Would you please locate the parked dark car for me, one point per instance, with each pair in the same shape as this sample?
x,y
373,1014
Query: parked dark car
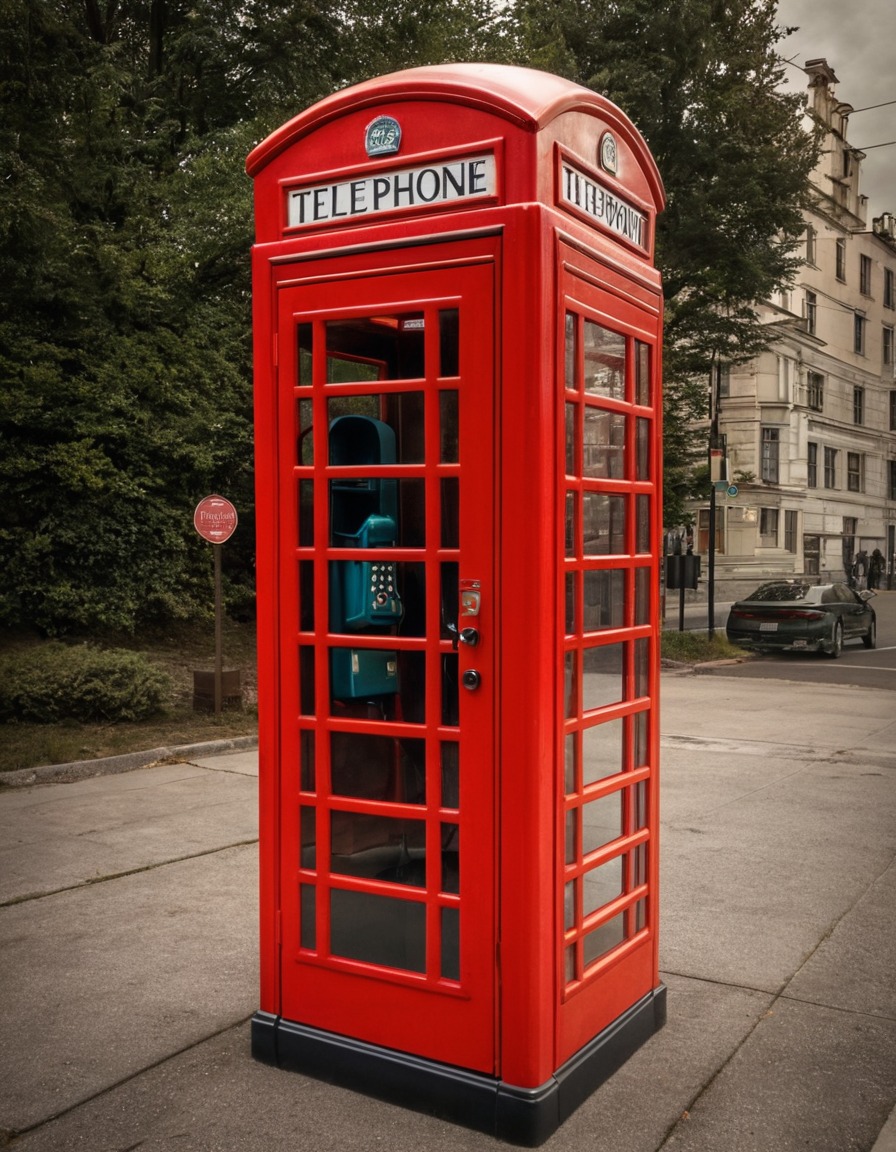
x,y
795,616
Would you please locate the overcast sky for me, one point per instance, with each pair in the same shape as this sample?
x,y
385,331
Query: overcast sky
x,y
857,38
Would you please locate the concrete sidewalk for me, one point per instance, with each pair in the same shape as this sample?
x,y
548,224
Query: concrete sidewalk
x,y
129,943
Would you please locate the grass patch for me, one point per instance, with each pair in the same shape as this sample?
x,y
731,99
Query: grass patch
x,y
177,652
698,647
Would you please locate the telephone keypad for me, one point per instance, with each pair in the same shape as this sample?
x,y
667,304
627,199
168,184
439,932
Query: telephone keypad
x,y
382,586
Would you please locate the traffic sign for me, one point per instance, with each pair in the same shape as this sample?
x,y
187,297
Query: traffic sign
x,y
732,489
215,519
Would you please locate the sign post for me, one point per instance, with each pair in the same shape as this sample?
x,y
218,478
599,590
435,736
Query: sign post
x,y
215,520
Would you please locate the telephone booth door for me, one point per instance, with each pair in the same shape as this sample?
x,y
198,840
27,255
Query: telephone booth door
x,y
387,848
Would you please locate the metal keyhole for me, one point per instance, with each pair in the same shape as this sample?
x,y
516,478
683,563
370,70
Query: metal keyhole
x,y
471,679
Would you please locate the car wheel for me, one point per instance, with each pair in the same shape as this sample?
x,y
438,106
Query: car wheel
x,y
870,638
836,641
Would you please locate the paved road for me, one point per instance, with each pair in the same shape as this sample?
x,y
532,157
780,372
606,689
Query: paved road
x,y
857,666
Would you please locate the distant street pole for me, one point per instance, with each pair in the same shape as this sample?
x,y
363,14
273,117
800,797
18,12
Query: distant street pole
x,y
715,387
215,520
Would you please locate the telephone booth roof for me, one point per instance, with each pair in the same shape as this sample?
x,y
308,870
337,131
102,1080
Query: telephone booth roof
x,y
530,103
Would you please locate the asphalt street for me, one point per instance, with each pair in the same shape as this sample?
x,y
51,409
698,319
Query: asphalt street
x,y
129,948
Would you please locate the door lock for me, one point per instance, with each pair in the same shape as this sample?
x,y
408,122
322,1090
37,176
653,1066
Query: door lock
x,y
471,679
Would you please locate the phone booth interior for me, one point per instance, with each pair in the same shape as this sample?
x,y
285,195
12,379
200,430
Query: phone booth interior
x,y
457,332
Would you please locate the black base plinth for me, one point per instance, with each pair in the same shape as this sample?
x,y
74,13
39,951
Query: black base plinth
x,y
524,1116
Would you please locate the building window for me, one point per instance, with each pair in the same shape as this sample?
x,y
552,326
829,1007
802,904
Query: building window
x,y
768,527
892,495
790,531
815,389
812,472
841,260
858,405
893,410
889,289
830,467
865,275
811,312
811,235
858,343
811,555
887,345
855,471
770,446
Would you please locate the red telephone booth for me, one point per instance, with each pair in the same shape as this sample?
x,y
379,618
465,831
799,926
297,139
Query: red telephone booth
x,y
457,331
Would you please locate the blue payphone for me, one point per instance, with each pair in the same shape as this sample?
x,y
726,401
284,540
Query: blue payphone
x,y
364,596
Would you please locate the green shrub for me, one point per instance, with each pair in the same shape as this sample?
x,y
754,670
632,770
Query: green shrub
x,y
55,681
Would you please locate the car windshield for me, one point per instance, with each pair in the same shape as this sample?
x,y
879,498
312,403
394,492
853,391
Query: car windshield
x,y
783,590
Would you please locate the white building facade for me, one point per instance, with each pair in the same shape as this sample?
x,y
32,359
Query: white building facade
x,y
809,427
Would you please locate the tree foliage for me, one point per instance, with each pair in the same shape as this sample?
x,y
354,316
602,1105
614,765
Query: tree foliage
x,y
126,226
702,81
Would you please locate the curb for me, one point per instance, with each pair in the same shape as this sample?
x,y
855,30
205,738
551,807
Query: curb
x,y
127,762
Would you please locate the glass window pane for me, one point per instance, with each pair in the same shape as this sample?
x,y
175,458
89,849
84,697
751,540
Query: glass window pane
x,y
304,437
642,373
603,524
378,848
308,915
570,621
642,528
602,751
308,849
642,667
570,351
308,769
603,444
642,454
450,857
450,774
378,930
375,348
602,681
603,939
604,600
601,885
304,337
601,821
306,596
306,513
450,494
306,680
450,918
378,767
642,596
639,739
604,361
448,427
571,440
398,432
570,530
570,685
449,342
569,771
450,691
572,836
569,905
363,673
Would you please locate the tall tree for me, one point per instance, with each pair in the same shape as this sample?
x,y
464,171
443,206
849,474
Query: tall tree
x,y
125,231
703,81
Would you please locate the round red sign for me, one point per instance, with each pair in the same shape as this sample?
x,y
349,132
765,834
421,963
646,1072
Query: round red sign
x,y
215,519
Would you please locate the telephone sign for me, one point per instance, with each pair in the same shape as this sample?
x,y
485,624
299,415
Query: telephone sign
x,y
215,519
